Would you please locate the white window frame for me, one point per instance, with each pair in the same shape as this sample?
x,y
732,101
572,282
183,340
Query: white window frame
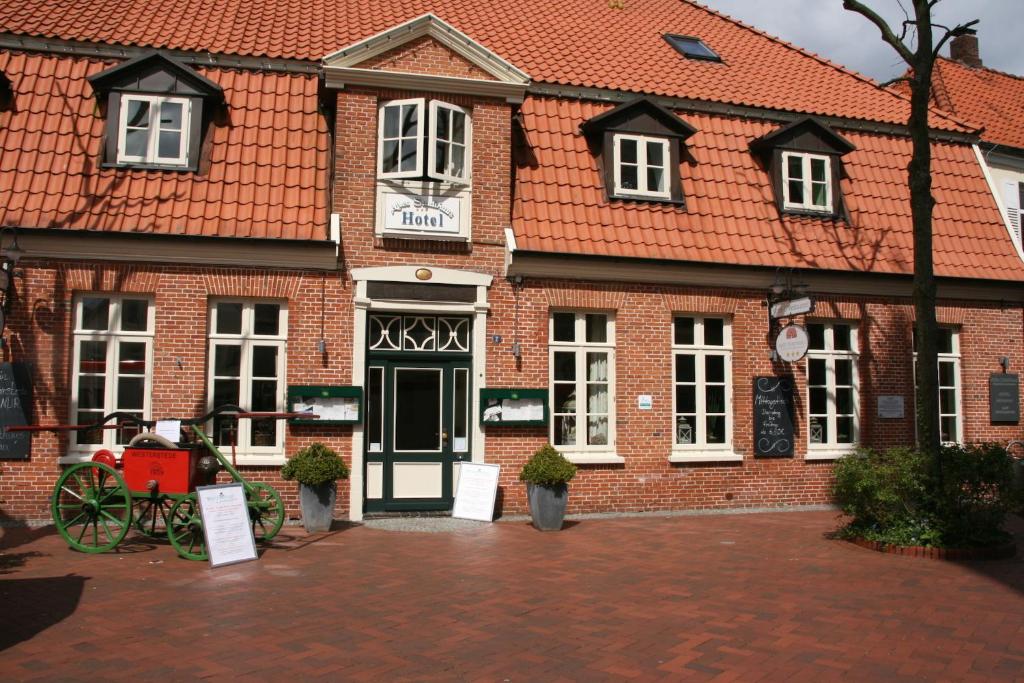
x,y
642,166
701,450
831,448
951,357
808,204
152,155
420,104
246,454
435,107
582,453
113,335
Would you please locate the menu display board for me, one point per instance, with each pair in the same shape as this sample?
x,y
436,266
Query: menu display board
x,y
478,487
332,405
15,410
773,416
1004,397
521,407
226,524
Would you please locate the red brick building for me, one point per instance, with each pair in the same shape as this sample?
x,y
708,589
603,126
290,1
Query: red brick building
x,y
461,209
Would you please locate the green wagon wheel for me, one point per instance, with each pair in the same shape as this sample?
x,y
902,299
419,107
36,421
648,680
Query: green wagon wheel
x,y
266,511
152,514
91,507
185,529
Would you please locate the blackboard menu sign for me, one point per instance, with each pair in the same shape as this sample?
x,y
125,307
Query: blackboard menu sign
x,y
773,416
15,409
1004,398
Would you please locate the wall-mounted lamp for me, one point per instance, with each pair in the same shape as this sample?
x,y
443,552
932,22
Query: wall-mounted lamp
x,y
11,254
1005,362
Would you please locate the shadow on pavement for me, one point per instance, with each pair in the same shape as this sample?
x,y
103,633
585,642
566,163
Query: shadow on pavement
x,y
38,604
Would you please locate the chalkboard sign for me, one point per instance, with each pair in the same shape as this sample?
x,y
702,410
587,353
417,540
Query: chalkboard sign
x,y
773,416
15,409
1004,398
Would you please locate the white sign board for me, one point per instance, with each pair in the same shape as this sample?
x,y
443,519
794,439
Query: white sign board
x,y
791,307
890,407
169,429
226,524
478,486
644,402
408,211
345,409
791,344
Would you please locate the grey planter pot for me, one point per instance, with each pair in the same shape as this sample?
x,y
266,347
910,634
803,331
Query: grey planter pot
x,y
547,505
317,503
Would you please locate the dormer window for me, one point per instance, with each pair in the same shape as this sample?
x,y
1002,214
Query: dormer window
x,y
157,111
640,145
412,147
806,182
153,130
640,165
804,162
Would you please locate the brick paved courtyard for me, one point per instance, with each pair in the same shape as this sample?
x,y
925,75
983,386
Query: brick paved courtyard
x,y
723,597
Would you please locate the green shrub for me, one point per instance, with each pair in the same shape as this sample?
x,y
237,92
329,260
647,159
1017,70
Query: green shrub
x,y
895,496
547,467
314,465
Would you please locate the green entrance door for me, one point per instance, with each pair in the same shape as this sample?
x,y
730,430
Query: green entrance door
x,y
417,412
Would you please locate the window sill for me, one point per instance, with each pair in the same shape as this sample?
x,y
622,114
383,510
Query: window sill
x,y
594,458
828,454
705,456
241,460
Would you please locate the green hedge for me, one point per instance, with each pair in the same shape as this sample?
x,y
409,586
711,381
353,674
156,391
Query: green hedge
x,y
547,467
895,496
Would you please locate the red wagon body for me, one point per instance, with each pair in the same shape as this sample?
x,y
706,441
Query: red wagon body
x,y
161,470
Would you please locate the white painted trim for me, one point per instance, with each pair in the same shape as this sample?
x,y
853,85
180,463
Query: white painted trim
x,y
362,304
339,78
467,143
593,458
828,454
445,276
421,122
1000,204
706,456
427,25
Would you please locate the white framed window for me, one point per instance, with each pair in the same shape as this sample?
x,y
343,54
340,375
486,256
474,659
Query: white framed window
x,y
702,387
247,368
450,137
806,181
411,146
641,165
153,130
113,365
400,139
582,380
951,429
832,389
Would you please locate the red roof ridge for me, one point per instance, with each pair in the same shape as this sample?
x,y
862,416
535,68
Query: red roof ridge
x,y
827,62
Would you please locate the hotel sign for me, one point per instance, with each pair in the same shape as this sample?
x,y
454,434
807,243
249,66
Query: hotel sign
x,y
404,210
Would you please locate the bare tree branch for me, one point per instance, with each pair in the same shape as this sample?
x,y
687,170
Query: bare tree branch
x,y
887,33
960,30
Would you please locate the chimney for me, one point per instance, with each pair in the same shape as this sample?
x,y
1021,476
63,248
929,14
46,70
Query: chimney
x,y
964,49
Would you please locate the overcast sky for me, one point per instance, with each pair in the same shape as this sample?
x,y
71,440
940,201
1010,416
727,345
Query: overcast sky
x,y
824,27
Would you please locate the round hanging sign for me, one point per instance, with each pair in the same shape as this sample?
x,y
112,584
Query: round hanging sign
x,y
791,344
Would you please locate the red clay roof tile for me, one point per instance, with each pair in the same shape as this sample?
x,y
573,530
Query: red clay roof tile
x,y
984,97
570,42
730,214
50,175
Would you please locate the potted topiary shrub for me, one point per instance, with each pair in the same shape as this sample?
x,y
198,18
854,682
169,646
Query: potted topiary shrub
x,y
317,468
547,474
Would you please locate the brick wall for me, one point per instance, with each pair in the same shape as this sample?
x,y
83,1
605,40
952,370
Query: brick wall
x,y
39,332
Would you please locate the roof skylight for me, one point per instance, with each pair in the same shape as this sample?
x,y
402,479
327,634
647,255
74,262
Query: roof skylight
x,y
692,48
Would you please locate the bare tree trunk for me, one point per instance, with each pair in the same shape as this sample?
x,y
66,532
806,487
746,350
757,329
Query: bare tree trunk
x,y
921,60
